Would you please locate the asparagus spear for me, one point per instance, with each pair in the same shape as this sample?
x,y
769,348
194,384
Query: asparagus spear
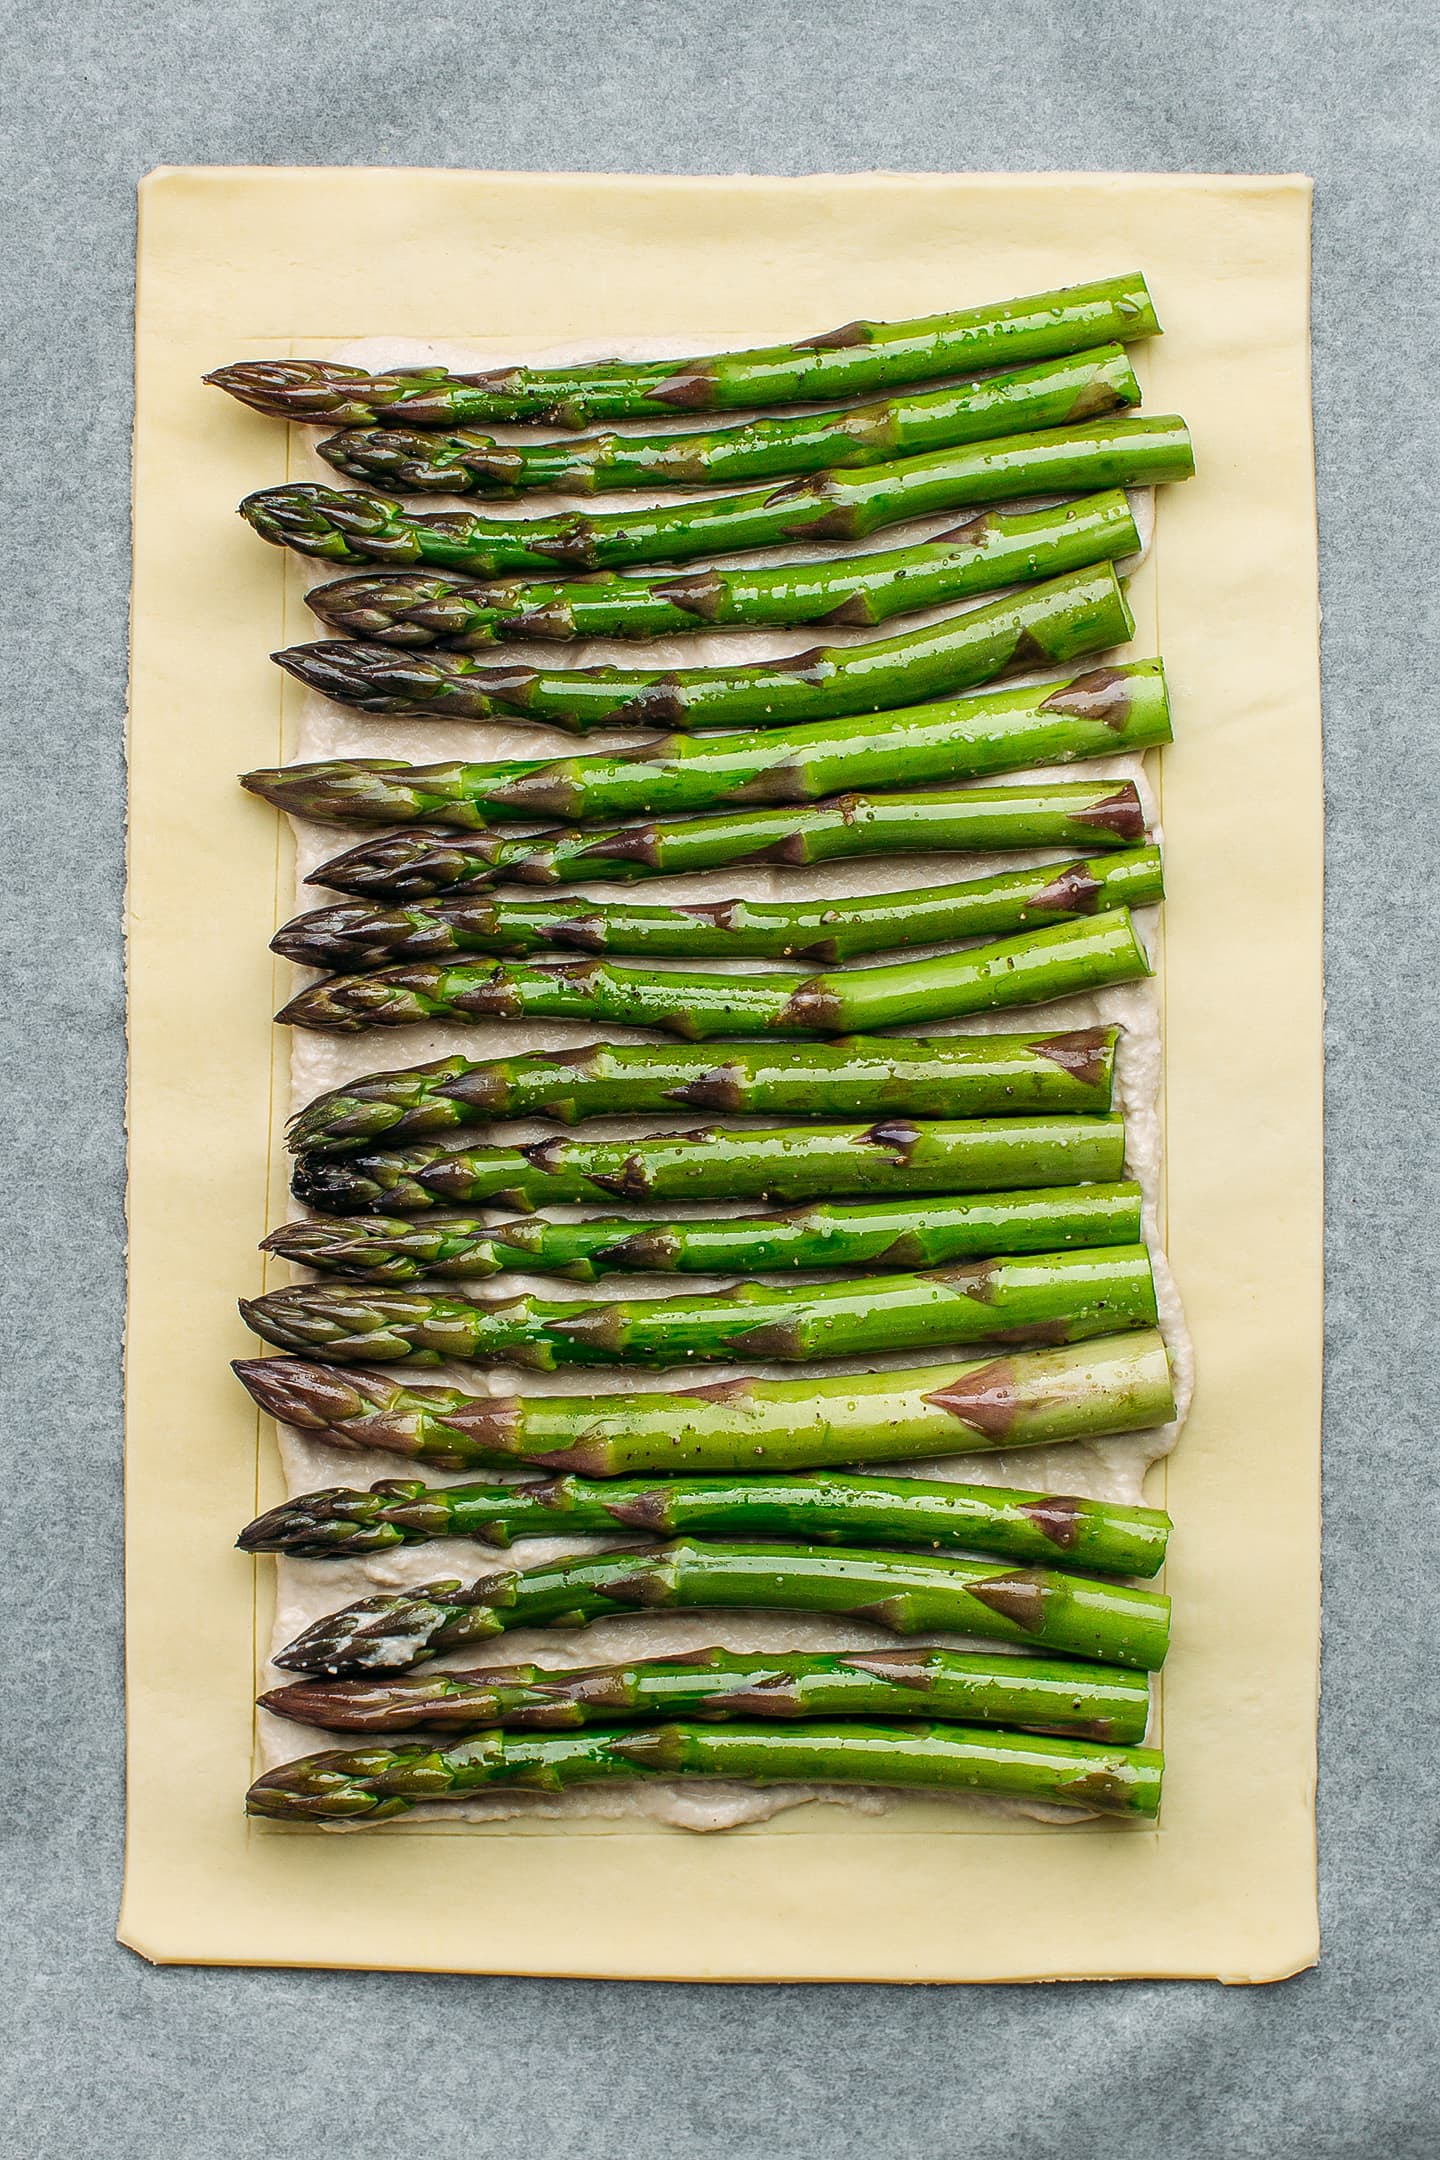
x,y
373,1783
1035,1298
1101,713
414,461
782,1164
1058,1695
430,607
1055,813
901,1234
1031,1398
357,935
857,1076
353,525
1039,625
1031,968
1097,1535
860,357
911,1593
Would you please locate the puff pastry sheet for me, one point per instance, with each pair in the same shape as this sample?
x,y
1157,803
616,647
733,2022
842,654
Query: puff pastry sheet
x,y
240,263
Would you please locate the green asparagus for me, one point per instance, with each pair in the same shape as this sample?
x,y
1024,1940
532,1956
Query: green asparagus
x,y
357,935
783,1164
1054,814
1030,1398
372,1784
1058,1695
911,1593
1097,1535
1034,967
923,1232
1033,1298
429,607
1054,393
1042,625
852,361
854,1077
1102,713
352,525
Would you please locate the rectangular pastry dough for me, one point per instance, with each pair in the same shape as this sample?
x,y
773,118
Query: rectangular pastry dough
x,y
231,267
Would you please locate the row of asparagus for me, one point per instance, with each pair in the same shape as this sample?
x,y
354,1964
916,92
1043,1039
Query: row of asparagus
x,y
355,525
855,1077
1057,1297
1032,1605
1044,625
1022,1398
910,1593
373,1784
789,796
358,1663
358,935
1002,1218
1068,959
1091,1702
993,549
1051,393
784,1164
858,358
1066,955
944,1230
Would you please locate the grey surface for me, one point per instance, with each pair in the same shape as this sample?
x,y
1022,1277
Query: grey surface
x,y
100,2054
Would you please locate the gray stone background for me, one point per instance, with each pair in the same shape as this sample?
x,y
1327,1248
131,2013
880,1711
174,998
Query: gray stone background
x,y
102,2055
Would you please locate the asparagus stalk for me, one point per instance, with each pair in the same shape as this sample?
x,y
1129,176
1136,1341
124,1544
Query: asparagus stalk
x,y
927,1233
1030,1398
1032,968
1034,1298
352,525
997,548
357,935
1055,814
371,1784
911,1593
855,1077
783,1164
416,461
849,362
1102,713
1041,625
1097,1535
1058,1695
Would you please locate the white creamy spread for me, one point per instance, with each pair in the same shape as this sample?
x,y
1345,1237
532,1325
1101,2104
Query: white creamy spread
x,y
1103,1468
